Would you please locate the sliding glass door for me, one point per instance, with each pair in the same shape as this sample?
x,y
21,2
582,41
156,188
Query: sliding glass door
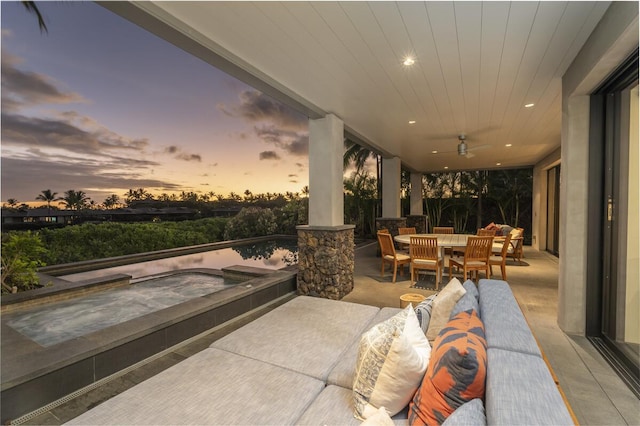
x,y
553,210
614,290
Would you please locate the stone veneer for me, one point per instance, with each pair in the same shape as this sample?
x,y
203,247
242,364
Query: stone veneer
x,y
391,223
326,260
419,222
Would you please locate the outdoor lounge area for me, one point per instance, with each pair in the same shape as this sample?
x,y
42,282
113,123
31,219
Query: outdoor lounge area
x,y
594,392
547,86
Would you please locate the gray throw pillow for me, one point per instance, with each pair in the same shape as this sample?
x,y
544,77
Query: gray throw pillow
x,y
467,301
469,413
470,286
423,312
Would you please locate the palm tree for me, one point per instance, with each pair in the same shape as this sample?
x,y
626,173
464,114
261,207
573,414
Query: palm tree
x,y
48,197
12,203
111,202
32,8
75,200
358,155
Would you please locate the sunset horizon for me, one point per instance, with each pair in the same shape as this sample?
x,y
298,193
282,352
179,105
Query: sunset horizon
x,y
99,105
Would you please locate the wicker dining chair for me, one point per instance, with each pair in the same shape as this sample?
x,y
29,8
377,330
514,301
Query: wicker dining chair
x,y
389,255
425,254
476,257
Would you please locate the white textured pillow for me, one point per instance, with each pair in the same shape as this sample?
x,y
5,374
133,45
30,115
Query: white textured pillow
x,y
442,307
392,360
380,418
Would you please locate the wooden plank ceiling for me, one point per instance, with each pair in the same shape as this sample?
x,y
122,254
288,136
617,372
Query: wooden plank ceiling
x,y
476,65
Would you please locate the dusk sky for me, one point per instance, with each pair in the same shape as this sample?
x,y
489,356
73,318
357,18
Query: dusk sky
x,y
100,105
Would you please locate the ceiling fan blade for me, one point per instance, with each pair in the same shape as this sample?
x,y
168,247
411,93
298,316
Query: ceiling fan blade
x,y
469,154
479,147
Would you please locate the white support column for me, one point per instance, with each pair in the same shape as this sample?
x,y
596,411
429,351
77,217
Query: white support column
x,y
416,194
391,169
326,147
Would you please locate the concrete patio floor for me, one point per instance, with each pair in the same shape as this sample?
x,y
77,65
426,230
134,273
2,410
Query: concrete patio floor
x,y
594,391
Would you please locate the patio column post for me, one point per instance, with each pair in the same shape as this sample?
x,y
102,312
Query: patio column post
x,y
326,246
391,208
416,194
416,218
391,168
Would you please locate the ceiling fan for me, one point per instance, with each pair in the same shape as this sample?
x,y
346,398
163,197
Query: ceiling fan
x,y
463,149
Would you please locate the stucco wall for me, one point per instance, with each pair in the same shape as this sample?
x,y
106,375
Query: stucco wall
x,y
539,199
611,42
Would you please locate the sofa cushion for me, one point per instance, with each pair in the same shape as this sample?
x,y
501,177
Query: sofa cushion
x,y
319,329
442,306
456,372
392,360
521,390
469,414
211,387
343,372
468,301
472,288
505,325
423,312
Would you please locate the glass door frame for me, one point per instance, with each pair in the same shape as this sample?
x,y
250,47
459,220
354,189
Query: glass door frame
x,y
606,178
553,210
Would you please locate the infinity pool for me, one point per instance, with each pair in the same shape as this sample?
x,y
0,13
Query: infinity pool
x,y
268,254
67,319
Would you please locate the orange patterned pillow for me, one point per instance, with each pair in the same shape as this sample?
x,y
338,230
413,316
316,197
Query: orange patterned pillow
x,y
456,372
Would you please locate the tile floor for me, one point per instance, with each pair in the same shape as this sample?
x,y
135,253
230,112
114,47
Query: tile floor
x,y
595,393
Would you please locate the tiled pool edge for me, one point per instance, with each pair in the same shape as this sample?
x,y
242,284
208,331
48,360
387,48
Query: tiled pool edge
x,y
34,376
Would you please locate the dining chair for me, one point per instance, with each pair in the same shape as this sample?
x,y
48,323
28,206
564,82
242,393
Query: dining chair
x,y
406,231
442,230
476,257
425,254
486,232
389,255
500,259
517,240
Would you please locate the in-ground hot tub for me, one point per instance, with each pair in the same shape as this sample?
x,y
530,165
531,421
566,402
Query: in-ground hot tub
x,y
35,374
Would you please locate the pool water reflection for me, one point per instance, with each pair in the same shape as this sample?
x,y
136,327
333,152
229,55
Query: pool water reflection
x,y
265,254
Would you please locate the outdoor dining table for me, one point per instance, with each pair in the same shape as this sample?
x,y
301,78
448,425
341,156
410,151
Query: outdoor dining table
x,y
444,240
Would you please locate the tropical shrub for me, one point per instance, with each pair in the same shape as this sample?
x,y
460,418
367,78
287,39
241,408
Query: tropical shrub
x,y
95,241
251,222
292,214
21,256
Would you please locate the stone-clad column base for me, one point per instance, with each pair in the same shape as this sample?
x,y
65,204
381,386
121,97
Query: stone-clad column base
x,y
419,222
326,261
391,223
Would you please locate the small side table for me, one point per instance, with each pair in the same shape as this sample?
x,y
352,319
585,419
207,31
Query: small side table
x,y
412,298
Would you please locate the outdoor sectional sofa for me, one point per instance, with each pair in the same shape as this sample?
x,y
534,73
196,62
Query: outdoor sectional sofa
x,y
296,365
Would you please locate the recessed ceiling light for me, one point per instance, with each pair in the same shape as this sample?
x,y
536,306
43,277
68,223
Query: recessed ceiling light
x,y
408,61
529,105
446,167
412,121
498,164
434,152
508,145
